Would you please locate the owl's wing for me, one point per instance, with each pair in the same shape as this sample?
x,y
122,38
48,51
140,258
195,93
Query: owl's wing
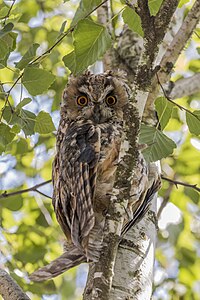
x,y
74,173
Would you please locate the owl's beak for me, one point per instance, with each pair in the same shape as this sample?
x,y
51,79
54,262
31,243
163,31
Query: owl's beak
x,y
97,113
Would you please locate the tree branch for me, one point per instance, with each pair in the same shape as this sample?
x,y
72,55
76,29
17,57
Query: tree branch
x,y
169,190
185,87
173,51
9,289
33,189
178,43
145,72
163,17
171,101
149,32
176,182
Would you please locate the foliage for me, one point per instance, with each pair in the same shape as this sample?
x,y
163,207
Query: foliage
x,y
38,40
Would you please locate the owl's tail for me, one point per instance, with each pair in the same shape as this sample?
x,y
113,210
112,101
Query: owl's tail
x,y
66,261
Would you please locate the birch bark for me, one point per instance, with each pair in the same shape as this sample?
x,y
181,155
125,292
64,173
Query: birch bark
x,y
131,263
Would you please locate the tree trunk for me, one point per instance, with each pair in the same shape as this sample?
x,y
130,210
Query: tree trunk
x,y
125,269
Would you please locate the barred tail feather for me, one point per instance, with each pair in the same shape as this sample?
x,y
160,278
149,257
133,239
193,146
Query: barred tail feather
x,y
58,266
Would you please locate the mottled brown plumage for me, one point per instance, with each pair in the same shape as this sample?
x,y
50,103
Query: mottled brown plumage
x,y
88,145
87,151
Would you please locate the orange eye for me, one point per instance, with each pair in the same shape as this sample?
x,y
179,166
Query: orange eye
x,y
111,100
82,100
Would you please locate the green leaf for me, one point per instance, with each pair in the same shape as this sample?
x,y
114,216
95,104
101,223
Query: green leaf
x,y
133,21
85,7
158,144
27,121
24,118
7,28
13,203
4,49
154,6
43,123
24,102
62,28
36,80
188,256
41,220
28,56
8,115
182,2
7,44
30,254
192,194
22,146
6,136
3,95
15,129
10,39
70,61
193,121
164,109
3,11
94,44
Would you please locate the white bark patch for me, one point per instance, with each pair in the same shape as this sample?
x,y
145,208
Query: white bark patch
x,y
98,274
115,193
114,227
124,148
141,98
134,263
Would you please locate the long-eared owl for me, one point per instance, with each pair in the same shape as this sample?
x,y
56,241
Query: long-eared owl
x,y
88,146
89,138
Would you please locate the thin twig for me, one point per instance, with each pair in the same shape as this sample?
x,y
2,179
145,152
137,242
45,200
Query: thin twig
x,y
43,194
8,13
6,101
197,34
8,94
176,183
170,100
169,190
33,189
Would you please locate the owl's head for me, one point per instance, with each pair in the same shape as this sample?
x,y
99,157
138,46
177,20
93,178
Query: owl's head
x,y
98,98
